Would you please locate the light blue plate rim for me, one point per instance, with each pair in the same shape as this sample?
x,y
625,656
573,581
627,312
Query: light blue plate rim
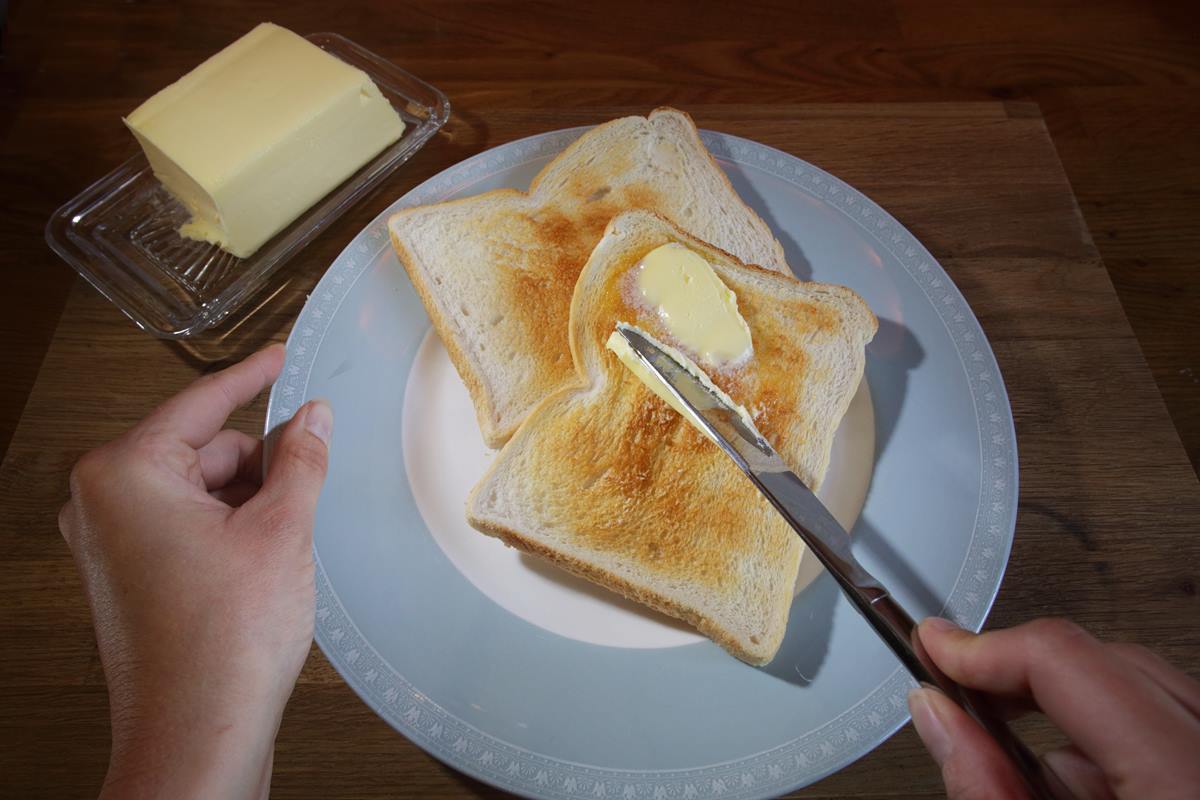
x,y
799,762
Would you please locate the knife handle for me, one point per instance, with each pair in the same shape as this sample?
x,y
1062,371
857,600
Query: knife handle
x,y
899,631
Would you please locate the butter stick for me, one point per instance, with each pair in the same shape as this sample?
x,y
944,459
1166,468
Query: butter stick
x,y
258,133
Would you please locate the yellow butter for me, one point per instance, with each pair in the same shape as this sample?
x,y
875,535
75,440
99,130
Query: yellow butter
x,y
258,133
617,343
699,311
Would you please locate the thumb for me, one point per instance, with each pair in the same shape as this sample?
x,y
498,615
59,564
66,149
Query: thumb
x,y
297,469
973,765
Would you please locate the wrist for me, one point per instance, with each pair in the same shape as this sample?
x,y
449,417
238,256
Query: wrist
x,y
186,747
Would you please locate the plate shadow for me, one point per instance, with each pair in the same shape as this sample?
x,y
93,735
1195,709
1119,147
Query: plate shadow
x,y
806,642
891,356
867,537
796,259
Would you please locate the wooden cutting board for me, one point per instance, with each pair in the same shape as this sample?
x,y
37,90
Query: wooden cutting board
x,y
1106,532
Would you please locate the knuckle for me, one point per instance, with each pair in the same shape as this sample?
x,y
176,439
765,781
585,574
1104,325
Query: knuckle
x,y
207,378
1131,648
1057,632
277,517
227,394
220,382
1134,652
151,443
87,469
66,521
959,782
965,780
160,448
308,454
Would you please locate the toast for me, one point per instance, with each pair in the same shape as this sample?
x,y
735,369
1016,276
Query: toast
x,y
496,271
606,480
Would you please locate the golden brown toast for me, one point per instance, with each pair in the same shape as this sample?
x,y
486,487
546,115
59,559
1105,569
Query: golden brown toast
x,y
609,482
496,271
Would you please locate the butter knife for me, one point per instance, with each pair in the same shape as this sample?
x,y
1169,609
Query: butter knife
x,y
826,538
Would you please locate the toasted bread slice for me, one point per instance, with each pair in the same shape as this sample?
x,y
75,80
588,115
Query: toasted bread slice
x,y
606,480
496,270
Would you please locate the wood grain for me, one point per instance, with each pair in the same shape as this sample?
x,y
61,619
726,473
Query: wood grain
x,y
1117,80
953,118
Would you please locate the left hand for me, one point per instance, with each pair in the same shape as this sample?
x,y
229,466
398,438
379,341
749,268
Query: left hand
x,y
200,582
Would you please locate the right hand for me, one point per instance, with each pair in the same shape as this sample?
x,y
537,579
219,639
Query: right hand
x,y
1132,718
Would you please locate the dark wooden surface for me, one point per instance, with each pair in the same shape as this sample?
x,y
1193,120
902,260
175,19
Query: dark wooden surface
x,y
955,118
1118,82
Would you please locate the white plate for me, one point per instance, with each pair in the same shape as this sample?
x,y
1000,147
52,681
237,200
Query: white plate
x,y
543,685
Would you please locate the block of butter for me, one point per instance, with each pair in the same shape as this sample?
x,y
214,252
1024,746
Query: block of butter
x,y
258,133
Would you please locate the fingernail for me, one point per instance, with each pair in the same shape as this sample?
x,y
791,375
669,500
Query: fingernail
x,y
940,625
929,725
319,420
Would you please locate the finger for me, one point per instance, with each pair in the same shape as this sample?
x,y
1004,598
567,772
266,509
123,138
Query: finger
x,y
197,413
973,765
231,455
1185,690
236,494
1010,707
1078,774
1094,696
68,521
289,495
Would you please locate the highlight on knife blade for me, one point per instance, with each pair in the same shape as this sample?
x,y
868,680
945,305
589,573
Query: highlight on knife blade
x,y
684,386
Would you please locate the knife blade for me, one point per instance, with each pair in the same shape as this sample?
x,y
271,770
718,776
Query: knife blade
x,y
830,543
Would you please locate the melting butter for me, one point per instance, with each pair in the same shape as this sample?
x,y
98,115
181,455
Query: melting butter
x,y
617,343
699,311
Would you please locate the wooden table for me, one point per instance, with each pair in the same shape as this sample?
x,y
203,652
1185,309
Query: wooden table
x,y
1106,532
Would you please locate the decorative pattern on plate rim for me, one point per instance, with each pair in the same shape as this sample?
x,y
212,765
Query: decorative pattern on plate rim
x,y
801,761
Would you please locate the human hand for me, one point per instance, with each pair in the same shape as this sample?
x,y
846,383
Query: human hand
x,y
1133,719
200,582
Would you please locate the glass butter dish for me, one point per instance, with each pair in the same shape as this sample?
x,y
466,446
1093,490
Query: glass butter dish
x,y
121,233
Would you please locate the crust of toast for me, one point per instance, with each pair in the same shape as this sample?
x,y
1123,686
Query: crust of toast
x,y
605,480
514,256
464,364
628,589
